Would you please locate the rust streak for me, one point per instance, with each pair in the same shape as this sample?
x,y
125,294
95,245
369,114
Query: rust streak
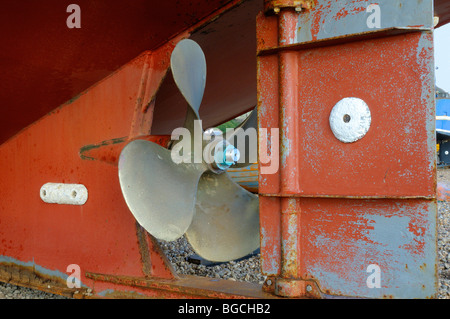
x,y
29,277
189,286
144,251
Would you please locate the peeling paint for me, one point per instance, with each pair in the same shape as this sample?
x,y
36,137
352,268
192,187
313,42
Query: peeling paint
x,y
329,18
365,203
371,233
32,264
425,60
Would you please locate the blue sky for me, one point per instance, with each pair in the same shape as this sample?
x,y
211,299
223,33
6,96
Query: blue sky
x,y
442,56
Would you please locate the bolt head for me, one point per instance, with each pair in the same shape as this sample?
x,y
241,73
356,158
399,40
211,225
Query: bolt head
x,y
232,154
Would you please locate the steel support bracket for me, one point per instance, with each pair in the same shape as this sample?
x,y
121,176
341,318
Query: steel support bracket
x,y
294,288
274,6
356,215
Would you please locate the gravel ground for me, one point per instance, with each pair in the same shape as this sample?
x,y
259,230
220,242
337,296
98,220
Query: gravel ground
x,y
443,175
241,270
249,269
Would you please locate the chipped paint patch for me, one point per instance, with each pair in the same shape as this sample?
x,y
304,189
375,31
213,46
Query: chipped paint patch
x,y
32,264
330,18
399,237
425,61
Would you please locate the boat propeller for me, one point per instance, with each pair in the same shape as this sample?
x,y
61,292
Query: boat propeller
x,y
193,196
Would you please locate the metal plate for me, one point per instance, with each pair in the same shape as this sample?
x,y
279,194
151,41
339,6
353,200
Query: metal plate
x,y
331,19
338,214
340,239
394,75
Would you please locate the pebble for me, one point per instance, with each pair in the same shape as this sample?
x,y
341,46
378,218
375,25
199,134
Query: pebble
x,y
8,291
249,269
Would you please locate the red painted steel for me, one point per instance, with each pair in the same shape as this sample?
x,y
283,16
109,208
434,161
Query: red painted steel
x,y
79,142
99,236
407,172
321,214
320,221
37,45
44,63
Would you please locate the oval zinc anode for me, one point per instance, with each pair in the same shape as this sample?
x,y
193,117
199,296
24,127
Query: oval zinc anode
x,y
59,193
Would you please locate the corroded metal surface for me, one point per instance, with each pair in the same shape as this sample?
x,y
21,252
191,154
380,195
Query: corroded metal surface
x,y
331,19
185,286
274,6
247,177
394,178
32,276
330,213
101,234
335,210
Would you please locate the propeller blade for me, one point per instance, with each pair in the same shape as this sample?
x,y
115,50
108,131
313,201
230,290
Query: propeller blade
x,y
248,149
226,222
188,66
160,193
250,121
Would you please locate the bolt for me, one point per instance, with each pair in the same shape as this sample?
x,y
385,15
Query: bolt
x,y
276,10
232,155
308,288
298,9
224,155
347,118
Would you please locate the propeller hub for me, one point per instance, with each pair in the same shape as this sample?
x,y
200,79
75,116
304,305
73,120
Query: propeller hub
x,y
225,155
220,155
230,155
